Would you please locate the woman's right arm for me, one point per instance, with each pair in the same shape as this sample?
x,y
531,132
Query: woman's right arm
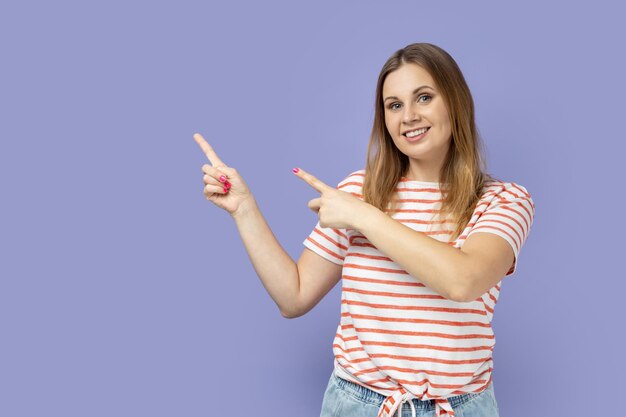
x,y
277,271
295,288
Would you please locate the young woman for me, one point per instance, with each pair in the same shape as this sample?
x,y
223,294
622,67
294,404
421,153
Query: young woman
x,y
420,239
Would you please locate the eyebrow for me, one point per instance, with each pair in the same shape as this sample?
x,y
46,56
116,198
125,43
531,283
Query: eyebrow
x,y
414,92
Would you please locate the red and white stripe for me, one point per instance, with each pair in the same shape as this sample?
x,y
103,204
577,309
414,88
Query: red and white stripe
x,y
398,337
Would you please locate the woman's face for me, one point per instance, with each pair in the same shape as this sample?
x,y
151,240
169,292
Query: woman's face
x,y
412,101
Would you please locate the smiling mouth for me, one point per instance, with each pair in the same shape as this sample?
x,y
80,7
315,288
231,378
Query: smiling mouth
x,y
414,136
417,130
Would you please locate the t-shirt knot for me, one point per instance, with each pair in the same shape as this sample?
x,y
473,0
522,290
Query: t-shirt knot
x,y
394,403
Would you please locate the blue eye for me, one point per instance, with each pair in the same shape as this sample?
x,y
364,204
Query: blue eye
x,y
391,106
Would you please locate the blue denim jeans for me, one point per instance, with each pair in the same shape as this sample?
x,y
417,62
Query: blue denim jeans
x,y
346,399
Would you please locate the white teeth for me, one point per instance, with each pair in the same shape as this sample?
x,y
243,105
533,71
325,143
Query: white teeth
x,y
416,132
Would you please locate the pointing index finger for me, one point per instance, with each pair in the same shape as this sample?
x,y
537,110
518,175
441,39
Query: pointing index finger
x,y
208,150
313,181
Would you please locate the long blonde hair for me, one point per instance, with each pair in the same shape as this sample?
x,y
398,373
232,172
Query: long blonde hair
x,y
463,173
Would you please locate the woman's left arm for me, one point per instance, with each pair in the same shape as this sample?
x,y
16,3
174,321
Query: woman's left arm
x,y
456,274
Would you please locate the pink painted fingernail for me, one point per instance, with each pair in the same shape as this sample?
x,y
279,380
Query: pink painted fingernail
x,y
225,189
227,184
222,178
295,170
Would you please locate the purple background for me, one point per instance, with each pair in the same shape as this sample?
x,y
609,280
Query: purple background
x,y
126,293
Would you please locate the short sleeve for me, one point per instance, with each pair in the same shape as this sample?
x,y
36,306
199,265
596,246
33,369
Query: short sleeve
x,y
329,243
509,215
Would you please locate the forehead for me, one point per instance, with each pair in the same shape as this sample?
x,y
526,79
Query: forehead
x,y
405,79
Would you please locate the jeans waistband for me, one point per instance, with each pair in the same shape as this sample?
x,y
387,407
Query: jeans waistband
x,y
366,395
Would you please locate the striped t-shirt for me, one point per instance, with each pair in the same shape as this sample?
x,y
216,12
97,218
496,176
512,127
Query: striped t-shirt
x,y
398,337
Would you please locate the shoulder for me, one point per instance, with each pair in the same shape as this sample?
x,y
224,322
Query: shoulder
x,y
354,178
506,197
353,183
498,189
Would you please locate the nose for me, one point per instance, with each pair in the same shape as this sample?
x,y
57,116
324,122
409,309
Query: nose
x,y
410,114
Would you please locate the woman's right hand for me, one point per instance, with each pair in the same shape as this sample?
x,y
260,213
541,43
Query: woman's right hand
x,y
231,192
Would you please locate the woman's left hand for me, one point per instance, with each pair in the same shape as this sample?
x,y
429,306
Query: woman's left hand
x,y
335,208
